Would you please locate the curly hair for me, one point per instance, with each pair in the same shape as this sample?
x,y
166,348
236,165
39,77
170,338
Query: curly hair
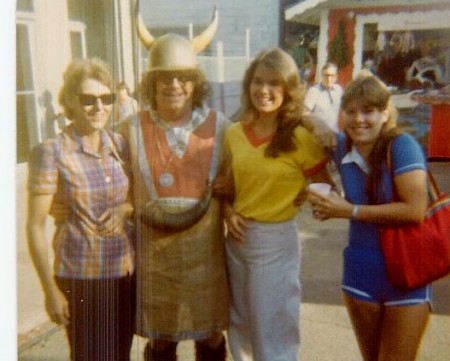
x,y
76,73
371,92
147,87
289,115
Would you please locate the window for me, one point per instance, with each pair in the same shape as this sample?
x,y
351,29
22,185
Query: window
x,y
77,39
26,113
25,5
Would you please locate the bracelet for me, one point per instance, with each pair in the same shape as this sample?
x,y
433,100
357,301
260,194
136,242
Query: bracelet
x,y
355,211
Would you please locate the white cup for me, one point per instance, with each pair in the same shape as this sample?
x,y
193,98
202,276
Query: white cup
x,y
321,188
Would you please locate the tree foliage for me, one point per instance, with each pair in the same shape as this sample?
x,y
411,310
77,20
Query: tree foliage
x,y
338,49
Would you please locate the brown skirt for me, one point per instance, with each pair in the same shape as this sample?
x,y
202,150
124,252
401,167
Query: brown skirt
x,y
182,282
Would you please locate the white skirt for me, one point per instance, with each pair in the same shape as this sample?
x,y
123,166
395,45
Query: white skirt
x,y
265,290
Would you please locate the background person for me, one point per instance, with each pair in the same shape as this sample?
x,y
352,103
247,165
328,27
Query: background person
x,y
270,158
395,59
322,105
78,179
175,144
388,322
125,105
425,72
323,99
322,109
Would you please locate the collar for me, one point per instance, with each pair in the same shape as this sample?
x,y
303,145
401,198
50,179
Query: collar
x,y
322,87
355,157
178,140
199,115
78,142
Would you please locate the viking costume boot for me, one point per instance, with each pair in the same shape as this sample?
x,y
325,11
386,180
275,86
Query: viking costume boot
x,y
205,353
167,354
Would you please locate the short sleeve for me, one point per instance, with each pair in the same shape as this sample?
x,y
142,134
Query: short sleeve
x,y
310,99
42,169
407,155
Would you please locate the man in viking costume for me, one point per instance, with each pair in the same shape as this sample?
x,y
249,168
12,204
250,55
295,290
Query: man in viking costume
x,y
175,145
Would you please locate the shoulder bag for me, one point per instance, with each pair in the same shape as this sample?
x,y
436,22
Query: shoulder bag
x,y
419,253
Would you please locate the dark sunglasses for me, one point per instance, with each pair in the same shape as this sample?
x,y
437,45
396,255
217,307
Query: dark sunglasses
x,y
167,77
89,99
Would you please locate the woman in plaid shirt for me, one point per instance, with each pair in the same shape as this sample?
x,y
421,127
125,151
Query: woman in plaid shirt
x,y
78,178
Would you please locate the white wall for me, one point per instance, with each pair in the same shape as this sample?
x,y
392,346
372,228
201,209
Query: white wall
x,y
235,16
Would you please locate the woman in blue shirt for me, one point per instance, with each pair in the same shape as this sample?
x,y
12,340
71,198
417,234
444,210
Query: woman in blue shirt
x,y
388,322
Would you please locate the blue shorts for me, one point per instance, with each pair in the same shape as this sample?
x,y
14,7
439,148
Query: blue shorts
x,y
365,279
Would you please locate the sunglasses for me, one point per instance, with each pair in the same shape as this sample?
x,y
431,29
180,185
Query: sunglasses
x,y
167,77
89,99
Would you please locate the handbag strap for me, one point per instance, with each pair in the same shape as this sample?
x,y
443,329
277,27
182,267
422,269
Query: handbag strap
x,y
432,187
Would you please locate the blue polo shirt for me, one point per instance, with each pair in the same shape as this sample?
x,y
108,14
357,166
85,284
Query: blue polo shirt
x,y
364,267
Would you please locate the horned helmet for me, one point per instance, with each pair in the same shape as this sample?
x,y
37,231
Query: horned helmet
x,y
173,51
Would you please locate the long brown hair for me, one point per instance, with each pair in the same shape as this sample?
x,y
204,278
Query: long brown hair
x,y
371,92
288,117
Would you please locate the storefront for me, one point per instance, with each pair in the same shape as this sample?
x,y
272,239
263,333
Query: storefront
x,y
405,42
370,25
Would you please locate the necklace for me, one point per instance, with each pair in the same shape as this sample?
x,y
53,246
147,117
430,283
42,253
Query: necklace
x,y
166,179
177,140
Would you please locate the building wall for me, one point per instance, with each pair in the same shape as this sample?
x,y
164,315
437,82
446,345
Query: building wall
x,y
48,53
107,33
235,16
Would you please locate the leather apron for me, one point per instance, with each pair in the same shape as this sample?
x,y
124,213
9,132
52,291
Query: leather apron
x,y
182,279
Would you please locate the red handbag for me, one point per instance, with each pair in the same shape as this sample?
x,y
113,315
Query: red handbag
x,y
417,254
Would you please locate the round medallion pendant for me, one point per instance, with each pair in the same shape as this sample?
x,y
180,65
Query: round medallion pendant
x,y
166,179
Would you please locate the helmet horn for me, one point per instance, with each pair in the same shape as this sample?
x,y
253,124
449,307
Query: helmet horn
x,y
201,41
145,36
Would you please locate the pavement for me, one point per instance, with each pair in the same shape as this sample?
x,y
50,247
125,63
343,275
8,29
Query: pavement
x,y
326,333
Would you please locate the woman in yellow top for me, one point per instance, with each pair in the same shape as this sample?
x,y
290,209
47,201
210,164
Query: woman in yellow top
x,y
270,157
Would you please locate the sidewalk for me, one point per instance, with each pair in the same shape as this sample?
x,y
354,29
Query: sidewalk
x,y
326,333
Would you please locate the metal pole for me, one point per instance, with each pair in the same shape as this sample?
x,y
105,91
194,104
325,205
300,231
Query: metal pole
x,y
191,31
221,74
247,44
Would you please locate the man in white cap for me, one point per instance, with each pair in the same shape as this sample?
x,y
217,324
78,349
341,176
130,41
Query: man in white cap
x,y
175,144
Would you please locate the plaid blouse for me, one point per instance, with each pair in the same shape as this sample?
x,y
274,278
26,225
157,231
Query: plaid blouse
x,y
84,183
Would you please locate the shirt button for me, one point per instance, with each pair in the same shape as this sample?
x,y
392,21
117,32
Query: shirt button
x,y
108,179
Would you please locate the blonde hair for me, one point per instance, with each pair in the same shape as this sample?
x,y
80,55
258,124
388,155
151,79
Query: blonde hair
x,y
76,73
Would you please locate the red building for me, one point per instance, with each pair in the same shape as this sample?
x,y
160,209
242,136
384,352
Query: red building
x,y
370,25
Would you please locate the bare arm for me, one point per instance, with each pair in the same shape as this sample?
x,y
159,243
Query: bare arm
x,y
324,134
55,302
236,224
411,207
